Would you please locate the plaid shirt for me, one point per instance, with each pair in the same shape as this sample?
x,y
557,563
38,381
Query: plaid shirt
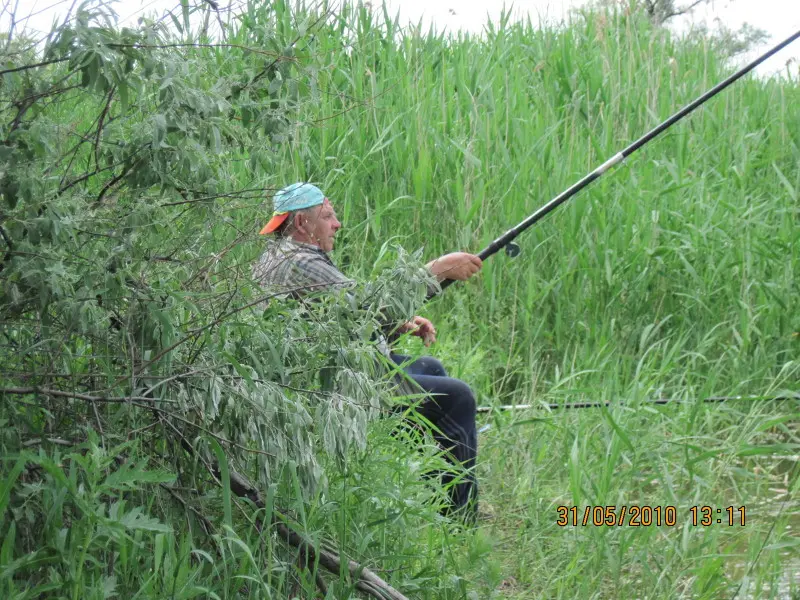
x,y
297,269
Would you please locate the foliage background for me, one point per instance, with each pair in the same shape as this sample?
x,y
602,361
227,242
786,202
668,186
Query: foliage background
x,y
136,164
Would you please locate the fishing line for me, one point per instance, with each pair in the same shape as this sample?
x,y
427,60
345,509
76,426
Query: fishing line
x,y
656,401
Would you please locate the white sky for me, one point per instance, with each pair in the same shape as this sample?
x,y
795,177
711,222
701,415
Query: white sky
x,y
780,18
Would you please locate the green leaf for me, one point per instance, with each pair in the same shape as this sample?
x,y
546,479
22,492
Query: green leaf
x,y
158,551
752,450
7,484
185,12
137,520
225,476
175,20
159,130
620,432
217,140
109,586
132,476
123,96
275,84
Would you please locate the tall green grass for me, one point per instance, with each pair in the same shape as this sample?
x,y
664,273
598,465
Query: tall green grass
x,y
676,271
674,275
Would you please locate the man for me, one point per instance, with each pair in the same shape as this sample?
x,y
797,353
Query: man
x,y
304,224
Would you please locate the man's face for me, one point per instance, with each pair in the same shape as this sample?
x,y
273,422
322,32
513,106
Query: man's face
x,y
322,225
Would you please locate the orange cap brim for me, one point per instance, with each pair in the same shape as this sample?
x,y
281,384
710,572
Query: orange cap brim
x,y
274,223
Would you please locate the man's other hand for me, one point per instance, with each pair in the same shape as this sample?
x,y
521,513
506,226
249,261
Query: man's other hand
x,y
456,265
420,327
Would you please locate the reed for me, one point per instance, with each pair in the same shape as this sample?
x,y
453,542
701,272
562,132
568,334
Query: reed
x,y
674,275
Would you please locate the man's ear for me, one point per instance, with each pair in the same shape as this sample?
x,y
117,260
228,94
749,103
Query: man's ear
x,y
299,221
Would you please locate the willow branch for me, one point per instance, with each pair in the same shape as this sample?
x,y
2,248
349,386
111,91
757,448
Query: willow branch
x,y
26,67
77,396
278,57
138,401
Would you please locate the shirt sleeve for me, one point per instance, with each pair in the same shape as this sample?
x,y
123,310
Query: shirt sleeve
x,y
432,284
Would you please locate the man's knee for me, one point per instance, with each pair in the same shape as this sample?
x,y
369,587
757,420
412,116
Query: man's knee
x,y
428,365
447,396
464,399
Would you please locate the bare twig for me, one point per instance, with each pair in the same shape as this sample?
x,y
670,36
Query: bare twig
x,y
278,57
267,69
115,181
13,24
238,194
681,10
27,101
10,246
84,177
133,401
195,332
77,396
217,437
99,422
27,67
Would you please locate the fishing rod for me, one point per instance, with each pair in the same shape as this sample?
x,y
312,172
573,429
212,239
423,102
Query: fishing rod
x,y
594,404
506,240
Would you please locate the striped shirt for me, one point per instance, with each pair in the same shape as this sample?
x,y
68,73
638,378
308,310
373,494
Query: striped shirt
x,y
296,269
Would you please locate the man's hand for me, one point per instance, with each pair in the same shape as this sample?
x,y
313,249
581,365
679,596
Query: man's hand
x,y
456,265
420,327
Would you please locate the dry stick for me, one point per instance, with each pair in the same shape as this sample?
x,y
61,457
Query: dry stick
x,y
366,580
78,396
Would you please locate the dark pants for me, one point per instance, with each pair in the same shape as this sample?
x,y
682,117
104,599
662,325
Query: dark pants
x,y
451,409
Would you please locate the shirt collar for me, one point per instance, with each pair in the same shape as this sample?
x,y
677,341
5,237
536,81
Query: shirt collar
x,y
288,243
